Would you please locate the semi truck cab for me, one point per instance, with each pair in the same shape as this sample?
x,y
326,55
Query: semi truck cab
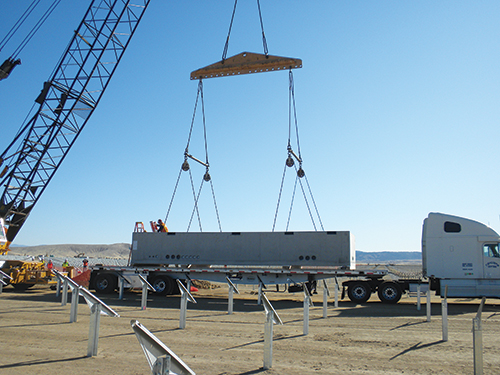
x,y
461,257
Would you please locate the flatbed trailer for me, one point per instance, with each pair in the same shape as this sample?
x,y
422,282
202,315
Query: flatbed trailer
x,y
104,279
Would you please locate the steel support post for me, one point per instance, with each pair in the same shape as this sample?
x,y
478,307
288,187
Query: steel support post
x,y
418,297
444,317
64,299
162,366
307,301
182,320
325,303
95,320
144,297
58,287
428,304
477,339
268,341
230,300
75,296
336,296
259,298
121,283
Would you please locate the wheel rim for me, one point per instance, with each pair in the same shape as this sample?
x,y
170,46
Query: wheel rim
x,y
159,285
359,292
389,293
102,284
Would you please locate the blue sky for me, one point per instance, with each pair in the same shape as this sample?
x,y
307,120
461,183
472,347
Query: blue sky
x,y
397,109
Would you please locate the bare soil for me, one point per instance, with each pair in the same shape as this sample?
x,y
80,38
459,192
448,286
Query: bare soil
x,y
37,338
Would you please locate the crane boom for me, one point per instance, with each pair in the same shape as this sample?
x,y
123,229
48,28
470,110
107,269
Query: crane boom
x,y
66,103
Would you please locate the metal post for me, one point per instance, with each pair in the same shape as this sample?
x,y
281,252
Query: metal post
x,y
336,294
75,295
428,303
230,300
418,297
325,303
232,289
444,314
1,284
182,320
65,293
185,297
58,287
162,365
268,341
326,294
144,299
477,339
121,287
307,298
259,301
95,320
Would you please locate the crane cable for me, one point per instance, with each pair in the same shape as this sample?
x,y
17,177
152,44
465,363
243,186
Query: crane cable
x,y
35,28
264,42
186,167
291,163
18,24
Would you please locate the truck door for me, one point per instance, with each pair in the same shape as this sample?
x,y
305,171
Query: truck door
x,y
491,260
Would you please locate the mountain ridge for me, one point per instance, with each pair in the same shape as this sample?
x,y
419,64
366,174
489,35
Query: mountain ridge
x,y
122,251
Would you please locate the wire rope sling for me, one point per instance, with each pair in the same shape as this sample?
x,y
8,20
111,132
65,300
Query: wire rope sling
x,y
186,167
248,63
11,62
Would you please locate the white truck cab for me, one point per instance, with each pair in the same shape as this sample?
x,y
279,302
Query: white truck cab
x,y
461,254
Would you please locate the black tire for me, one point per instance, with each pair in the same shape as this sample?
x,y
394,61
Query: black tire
x,y
163,284
359,292
22,287
389,292
105,283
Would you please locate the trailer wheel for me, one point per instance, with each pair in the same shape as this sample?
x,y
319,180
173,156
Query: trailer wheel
x,y
359,292
163,285
22,286
389,292
105,283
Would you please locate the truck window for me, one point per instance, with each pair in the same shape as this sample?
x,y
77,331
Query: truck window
x,y
491,250
451,227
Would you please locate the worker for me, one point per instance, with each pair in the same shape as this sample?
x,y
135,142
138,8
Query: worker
x,y
161,227
85,264
50,265
65,264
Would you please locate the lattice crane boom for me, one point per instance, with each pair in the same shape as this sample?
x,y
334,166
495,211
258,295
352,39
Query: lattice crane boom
x,y
66,103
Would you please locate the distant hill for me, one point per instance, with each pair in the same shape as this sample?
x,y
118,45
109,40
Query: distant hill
x,y
122,250
386,257
117,250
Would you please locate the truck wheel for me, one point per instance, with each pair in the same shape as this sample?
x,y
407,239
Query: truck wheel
x,y
359,292
389,292
22,286
163,285
105,283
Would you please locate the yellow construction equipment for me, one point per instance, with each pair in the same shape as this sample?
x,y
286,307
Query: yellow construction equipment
x,y
26,274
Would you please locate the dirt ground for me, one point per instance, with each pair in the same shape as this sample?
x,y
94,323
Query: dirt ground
x,y
37,338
